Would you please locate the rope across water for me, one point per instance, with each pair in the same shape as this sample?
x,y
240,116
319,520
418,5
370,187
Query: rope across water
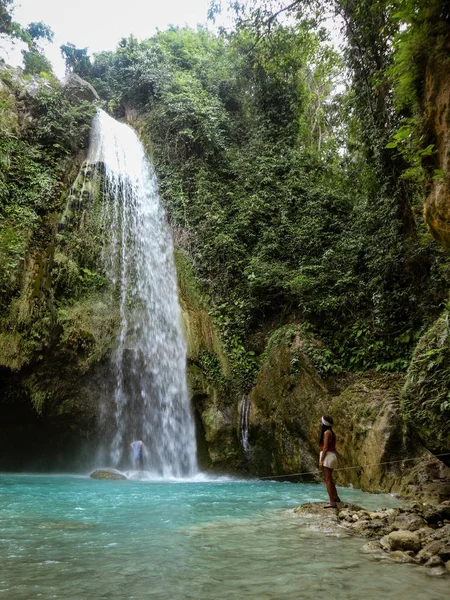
x,y
388,462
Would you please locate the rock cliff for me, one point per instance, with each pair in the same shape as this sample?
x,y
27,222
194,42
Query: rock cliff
x,y
437,124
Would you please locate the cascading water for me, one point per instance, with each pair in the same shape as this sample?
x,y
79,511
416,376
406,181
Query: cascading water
x,y
151,395
243,425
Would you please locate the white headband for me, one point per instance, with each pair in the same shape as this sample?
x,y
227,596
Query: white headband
x,y
326,423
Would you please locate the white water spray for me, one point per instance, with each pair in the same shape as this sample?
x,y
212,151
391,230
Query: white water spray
x,y
243,425
151,396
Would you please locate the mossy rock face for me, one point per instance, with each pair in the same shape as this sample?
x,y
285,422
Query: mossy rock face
x,y
370,430
425,399
107,474
214,406
372,433
286,405
437,124
200,332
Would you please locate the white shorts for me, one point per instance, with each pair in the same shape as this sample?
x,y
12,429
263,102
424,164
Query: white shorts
x,y
330,461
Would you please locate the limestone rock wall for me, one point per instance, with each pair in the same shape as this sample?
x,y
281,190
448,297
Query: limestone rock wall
x,y
55,327
372,433
286,405
437,125
426,392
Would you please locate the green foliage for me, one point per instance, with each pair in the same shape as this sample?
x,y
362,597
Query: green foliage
x,y
77,59
287,193
62,126
34,154
40,31
26,185
211,367
426,396
36,63
34,60
294,202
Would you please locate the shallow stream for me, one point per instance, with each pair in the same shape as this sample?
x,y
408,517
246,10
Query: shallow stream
x,y
73,538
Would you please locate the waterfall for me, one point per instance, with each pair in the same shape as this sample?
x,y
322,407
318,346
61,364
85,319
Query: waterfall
x,y
243,425
151,397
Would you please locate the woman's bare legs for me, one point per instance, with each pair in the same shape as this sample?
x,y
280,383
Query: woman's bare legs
x,y
331,488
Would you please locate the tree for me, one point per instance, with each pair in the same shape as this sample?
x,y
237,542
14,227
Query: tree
x,y
77,60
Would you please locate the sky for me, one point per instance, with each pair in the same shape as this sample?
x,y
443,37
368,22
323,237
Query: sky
x,y
100,24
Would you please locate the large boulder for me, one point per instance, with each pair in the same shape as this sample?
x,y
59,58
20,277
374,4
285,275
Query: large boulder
x,y
404,540
108,474
78,89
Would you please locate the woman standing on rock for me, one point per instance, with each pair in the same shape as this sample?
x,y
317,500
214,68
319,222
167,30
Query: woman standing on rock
x,y
328,458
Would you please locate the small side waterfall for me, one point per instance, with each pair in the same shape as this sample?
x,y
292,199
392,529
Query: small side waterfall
x,y
151,395
243,425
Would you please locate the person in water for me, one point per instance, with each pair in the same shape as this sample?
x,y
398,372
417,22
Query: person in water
x,y
328,458
137,453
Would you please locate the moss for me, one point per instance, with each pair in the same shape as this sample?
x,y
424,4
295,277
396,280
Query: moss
x,y
425,398
204,346
38,399
9,122
11,355
286,404
370,430
88,328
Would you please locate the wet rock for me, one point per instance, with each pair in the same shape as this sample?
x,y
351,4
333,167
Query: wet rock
x,y
437,571
372,528
404,540
409,522
435,513
447,566
317,508
344,515
108,474
443,532
361,527
400,557
384,543
424,533
364,514
434,561
371,547
439,548
382,514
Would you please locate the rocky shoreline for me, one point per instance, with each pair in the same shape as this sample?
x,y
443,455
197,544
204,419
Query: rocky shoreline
x,y
418,533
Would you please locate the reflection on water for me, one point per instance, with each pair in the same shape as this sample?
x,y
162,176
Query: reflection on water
x,y
72,538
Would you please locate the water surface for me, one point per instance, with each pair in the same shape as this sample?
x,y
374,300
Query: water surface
x,y
73,538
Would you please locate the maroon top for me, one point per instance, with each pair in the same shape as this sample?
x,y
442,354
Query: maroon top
x,y
331,444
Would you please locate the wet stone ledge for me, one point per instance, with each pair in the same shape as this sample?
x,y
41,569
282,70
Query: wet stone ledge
x,y
418,533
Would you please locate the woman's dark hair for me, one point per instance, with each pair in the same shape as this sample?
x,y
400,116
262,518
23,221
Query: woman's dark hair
x,y
326,428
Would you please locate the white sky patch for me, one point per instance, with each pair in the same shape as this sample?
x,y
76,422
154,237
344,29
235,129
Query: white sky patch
x,y
101,24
